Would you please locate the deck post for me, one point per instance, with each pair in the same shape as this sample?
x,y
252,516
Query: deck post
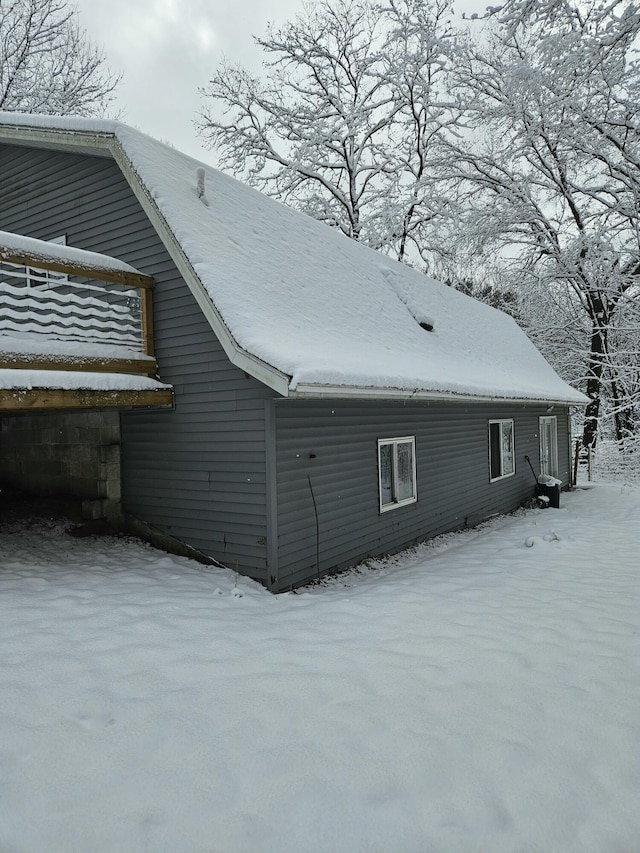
x,y
146,320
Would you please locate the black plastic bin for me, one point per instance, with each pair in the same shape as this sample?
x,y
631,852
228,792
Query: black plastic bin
x,y
551,492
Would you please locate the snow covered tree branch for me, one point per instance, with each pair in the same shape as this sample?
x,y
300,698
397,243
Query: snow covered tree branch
x,y
47,64
346,124
510,153
550,172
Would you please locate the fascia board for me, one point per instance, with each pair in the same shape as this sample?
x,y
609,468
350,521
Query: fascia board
x,y
94,141
308,391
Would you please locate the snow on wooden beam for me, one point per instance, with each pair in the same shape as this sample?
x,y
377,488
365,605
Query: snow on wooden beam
x,y
42,399
30,252
41,261
25,361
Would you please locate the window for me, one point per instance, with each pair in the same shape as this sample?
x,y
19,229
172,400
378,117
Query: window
x,y
397,472
549,446
501,450
46,278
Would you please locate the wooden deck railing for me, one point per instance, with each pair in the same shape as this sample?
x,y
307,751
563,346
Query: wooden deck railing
x,y
64,310
67,302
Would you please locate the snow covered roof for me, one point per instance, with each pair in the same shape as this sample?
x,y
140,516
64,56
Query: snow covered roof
x,y
298,305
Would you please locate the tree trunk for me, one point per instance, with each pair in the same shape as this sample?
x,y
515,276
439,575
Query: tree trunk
x,y
594,383
622,416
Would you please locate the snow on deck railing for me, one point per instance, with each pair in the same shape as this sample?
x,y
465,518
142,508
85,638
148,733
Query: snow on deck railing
x,y
51,306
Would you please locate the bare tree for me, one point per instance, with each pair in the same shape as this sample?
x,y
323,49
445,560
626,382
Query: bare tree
x,y
512,155
549,168
47,64
346,123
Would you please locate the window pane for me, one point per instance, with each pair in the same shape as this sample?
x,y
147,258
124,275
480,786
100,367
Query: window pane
x,y
553,469
405,471
494,450
507,447
386,475
545,442
548,446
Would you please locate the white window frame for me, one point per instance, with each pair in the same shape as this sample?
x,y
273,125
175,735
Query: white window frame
x,y
395,442
551,470
502,475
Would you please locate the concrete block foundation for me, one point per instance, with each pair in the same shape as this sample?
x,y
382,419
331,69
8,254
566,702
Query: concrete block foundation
x,y
72,454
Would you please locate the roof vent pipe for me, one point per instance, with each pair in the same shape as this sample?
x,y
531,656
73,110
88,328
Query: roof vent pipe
x,y
200,185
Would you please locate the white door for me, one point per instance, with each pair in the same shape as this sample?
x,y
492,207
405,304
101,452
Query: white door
x,y
549,446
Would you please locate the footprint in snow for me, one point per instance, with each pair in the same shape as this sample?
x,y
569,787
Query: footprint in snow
x,y
93,722
530,541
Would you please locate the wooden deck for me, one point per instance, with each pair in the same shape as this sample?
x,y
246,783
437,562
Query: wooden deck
x,y
76,330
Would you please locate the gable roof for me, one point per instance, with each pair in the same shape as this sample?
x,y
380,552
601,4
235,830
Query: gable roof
x,y
298,305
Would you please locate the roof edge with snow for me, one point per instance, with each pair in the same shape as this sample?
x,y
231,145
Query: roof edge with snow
x,y
362,392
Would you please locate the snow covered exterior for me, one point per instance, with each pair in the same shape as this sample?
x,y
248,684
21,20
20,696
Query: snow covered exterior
x,y
330,404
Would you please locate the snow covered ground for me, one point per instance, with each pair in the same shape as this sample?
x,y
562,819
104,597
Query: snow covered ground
x,y
479,693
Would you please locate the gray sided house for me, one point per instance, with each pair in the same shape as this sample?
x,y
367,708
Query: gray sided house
x,y
307,403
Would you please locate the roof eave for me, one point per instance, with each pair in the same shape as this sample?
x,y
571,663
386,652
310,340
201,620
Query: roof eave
x,y
46,136
320,391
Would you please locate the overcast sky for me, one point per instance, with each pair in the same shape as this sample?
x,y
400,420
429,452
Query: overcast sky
x,y
167,48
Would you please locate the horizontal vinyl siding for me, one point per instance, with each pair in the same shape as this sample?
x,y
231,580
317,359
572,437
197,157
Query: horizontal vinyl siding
x,y
331,447
196,473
